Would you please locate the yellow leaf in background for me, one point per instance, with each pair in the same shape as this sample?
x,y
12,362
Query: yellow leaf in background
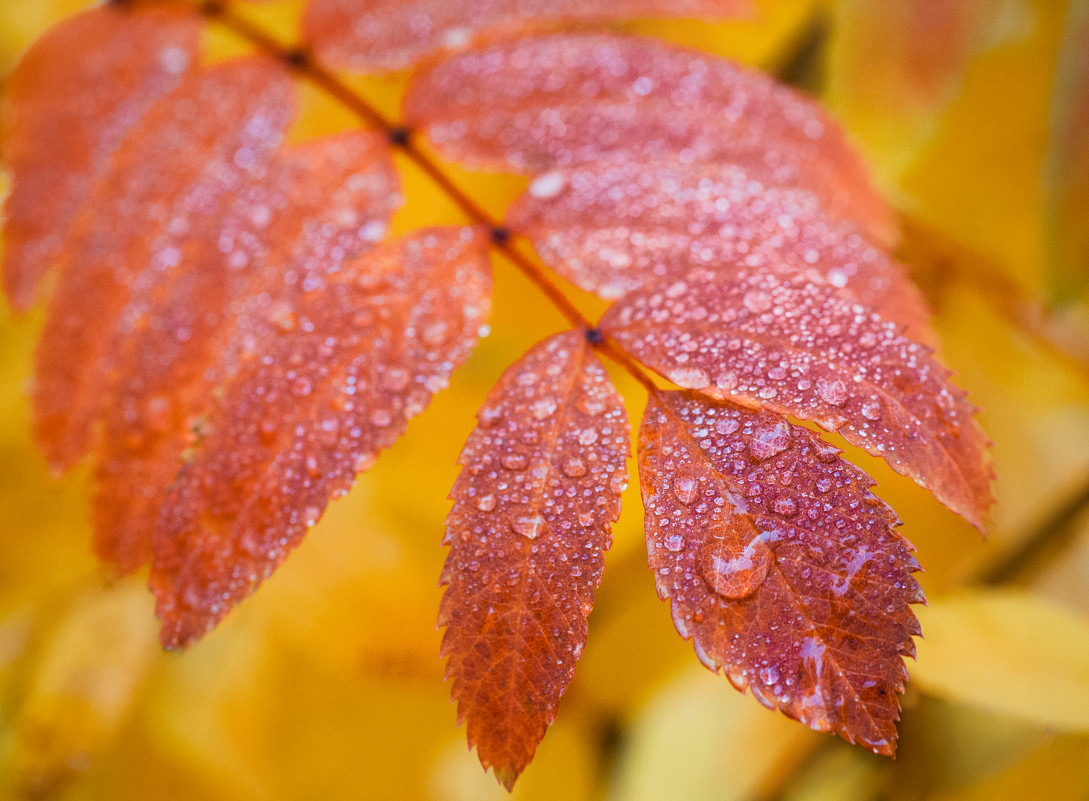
x,y
698,739
85,681
1067,167
1057,771
1007,651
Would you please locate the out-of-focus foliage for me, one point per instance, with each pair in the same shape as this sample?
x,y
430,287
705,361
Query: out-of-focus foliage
x,y
328,684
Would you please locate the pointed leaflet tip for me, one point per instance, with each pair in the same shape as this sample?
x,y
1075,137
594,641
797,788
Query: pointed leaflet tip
x,y
779,563
313,406
540,487
780,342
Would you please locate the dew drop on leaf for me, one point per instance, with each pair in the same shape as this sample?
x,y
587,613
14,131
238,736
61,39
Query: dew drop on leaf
x,y
769,440
735,573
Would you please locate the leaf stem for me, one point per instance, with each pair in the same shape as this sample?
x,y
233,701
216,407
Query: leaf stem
x,y
302,62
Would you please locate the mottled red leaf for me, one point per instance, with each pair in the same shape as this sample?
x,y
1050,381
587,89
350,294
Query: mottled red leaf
x,y
568,99
65,108
336,378
179,167
783,343
780,565
287,228
617,226
391,34
543,472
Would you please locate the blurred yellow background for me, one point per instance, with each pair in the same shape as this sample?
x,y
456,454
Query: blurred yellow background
x,y
327,683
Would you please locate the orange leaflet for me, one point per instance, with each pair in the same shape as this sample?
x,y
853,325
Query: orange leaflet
x,y
568,99
66,106
780,565
391,34
339,370
284,230
177,169
777,341
543,472
616,226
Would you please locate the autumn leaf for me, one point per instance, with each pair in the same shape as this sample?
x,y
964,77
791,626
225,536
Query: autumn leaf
x,y
780,564
391,34
540,486
117,65
571,99
779,342
334,380
235,336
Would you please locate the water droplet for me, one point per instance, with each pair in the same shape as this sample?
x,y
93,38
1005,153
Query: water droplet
x,y
547,185
301,387
824,485
543,408
726,425
832,391
786,507
586,519
365,461
514,461
727,381
574,467
485,503
528,526
587,437
590,404
868,339
673,542
395,379
157,413
770,439
689,377
381,418
618,482
871,410
733,572
436,333
686,488
311,515
757,301
284,319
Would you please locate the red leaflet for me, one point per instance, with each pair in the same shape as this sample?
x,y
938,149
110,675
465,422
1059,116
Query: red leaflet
x,y
178,168
783,343
65,108
781,566
335,380
569,99
287,228
543,472
391,34
617,226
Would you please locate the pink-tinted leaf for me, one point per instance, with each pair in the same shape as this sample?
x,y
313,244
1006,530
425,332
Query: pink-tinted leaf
x,y
618,226
178,168
334,380
568,99
391,34
784,343
64,110
543,472
288,227
780,565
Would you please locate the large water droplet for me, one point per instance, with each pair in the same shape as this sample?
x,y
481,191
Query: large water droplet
x,y
673,542
528,526
735,572
757,301
543,408
689,377
871,410
686,488
832,391
574,467
770,439
514,461
301,387
395,379
587,437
